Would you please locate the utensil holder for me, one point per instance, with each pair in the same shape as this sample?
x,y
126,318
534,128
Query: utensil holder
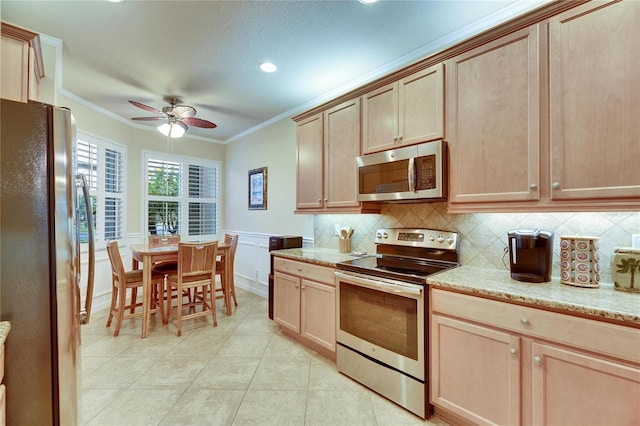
x,y
345,245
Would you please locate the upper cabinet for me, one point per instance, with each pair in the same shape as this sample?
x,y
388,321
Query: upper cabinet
x,y
404,112
546,118
493,125
22,66
328,144
594,69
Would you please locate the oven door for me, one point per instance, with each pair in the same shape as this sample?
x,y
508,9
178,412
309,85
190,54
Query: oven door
x,y
382,319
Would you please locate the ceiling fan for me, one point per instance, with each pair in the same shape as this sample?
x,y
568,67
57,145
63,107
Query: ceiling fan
x,y
178,117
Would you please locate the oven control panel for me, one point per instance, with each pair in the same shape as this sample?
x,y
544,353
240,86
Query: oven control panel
x,y
415,237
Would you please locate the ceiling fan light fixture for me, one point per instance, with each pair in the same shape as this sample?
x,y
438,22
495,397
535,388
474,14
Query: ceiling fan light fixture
x,y
268,67
174,130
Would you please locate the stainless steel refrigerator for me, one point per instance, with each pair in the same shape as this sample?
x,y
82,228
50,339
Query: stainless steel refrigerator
x,y
40,264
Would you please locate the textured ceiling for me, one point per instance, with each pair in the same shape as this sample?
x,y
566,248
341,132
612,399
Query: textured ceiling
x,y
207,52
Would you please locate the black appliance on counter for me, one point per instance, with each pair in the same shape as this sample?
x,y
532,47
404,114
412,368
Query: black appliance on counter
x,y
280,242
530,253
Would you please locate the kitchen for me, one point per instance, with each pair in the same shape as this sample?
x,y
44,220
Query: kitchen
x,y
483,235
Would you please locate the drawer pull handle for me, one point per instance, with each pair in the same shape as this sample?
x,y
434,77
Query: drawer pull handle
x,y
524,321
537,359
513,351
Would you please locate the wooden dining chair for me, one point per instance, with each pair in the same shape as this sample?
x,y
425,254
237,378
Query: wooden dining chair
x,y
196,269
232,240
122,281
169,267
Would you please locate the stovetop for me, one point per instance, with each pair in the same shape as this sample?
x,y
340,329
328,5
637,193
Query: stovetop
x,y
409,255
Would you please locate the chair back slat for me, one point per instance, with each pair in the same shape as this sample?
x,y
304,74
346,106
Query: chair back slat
x,y
163,240
232,240
117,268
197,258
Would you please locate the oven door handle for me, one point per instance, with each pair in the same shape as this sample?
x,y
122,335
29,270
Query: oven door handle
x,y
395,287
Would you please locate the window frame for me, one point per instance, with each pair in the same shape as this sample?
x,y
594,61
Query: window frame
x,y
99,191
184,199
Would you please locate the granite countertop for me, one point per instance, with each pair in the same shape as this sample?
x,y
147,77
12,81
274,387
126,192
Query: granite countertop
x,y
319,256
5,327
601,302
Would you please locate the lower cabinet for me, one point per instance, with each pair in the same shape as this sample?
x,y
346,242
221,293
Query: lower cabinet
x,y
304,304
497,363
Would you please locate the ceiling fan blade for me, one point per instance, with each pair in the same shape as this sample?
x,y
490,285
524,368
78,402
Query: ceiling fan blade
x,y
149,118
198,122
145,107
184,111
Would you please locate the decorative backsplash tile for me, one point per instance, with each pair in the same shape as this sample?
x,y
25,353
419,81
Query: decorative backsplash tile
x,y
484,235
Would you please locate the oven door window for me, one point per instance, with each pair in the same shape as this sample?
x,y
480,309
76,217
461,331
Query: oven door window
x,y
384,319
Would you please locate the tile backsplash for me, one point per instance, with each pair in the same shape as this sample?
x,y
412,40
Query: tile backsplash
x,y
484,235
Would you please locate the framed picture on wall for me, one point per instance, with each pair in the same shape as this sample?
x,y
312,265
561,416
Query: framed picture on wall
x,y
258,189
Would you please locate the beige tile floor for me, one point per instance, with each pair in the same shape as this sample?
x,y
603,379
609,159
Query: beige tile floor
x,y
243,372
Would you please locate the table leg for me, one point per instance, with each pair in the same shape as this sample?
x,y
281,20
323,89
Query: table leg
x,y
146,294
227,277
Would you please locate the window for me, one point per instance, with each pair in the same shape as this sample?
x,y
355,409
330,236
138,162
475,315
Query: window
x,y
181,196
104,166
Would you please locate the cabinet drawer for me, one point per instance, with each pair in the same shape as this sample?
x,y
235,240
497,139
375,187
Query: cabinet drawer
x,y
608,339
305,270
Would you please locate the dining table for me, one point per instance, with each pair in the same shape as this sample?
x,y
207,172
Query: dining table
x,y
149,255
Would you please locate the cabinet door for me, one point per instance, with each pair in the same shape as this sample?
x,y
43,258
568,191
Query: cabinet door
x,y
309,163
318,307
286,301
380,119
475,371
421,109
594,100
570,388
342,146
493,125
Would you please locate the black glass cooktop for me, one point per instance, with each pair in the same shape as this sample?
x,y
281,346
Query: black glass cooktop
x,y
396,267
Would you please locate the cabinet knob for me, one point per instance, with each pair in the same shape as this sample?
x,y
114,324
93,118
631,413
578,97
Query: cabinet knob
x,y
399,137
524,321
326,199
296,285
395,138
533,186
299,269
537,359
302,287
513,351
555,185
319,200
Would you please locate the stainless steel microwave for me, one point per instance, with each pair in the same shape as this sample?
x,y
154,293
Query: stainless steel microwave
x,y
416,172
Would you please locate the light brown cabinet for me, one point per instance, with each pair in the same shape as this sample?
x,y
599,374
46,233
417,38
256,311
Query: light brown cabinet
x,y
404,112
594,64
22,66
493,126
545,118
304,304
497,363
328,144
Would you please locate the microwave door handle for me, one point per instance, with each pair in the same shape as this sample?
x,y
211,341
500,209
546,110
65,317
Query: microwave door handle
x,y
411,175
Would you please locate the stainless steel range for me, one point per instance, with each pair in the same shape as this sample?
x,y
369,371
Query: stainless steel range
x,y
381,313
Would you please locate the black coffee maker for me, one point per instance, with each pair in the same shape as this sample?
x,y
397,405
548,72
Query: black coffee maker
x,y
530,254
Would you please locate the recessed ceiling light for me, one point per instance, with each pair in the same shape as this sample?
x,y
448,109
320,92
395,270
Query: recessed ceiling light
x,y
268,67
117,1
367,1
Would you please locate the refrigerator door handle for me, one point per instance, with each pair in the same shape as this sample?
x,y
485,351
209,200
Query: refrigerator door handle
x,y
85,313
